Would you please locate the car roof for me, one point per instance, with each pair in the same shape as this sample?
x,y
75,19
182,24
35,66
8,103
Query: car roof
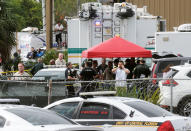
x,y
53,69
104,99
115,98
11,106
172,58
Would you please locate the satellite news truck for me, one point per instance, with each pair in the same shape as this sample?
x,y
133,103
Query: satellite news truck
x,y
98,23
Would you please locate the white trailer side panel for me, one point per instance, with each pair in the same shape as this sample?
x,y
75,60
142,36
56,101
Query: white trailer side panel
x,y
78,40
129,29
174,42
146,27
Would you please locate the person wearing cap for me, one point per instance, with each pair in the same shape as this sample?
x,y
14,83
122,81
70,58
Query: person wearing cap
x,y
141,70
70,77
88,74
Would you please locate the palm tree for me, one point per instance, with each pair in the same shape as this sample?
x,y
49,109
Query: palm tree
x,y
7,37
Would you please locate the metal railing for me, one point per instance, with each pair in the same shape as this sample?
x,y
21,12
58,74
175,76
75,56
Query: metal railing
x,y
171,94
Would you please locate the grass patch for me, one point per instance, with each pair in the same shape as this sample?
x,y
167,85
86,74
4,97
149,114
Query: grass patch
x,y
150,94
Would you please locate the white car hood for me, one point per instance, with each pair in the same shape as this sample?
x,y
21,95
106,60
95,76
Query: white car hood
x,y
53,128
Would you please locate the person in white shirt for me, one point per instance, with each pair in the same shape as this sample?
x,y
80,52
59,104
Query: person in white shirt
x,y
121,75
58,31
21,74
60,60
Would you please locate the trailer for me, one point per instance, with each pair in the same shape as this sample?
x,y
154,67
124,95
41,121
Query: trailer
x,y
97,23
177,42
26,40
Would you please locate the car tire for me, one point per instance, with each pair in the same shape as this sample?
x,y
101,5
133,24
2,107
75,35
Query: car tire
x,y
185,107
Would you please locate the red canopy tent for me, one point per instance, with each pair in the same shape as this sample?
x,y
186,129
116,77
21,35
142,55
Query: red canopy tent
x,y
116,47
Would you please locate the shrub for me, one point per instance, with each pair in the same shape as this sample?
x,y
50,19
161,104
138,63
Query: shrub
x,y
50,54
53,54
66,55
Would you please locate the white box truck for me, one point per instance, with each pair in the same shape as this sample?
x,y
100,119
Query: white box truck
x,y
177,42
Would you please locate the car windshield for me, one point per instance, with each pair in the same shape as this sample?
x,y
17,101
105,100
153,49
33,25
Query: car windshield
x,y
148,109
37,116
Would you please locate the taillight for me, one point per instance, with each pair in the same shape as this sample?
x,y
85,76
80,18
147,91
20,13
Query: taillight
x,y
167,107
166,126
153,70
154,76
169,83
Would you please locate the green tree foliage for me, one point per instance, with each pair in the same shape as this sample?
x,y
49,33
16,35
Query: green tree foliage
x,y
49,55
67,8
7,37
53,54
25,13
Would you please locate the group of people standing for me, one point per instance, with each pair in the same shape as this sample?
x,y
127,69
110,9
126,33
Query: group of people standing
x,y
22,75
117,69
114,70
33,54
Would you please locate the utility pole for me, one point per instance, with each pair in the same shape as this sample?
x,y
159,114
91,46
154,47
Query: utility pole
x,y
78,7
43,15
48,24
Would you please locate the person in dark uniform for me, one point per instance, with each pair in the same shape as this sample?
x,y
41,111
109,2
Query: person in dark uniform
x,y
115,62
70,77
16,60
37,67
101,68
88,74
129,67
95,67
141,70
132,66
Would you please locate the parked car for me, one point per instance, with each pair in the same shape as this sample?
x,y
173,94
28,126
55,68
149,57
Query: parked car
x,y
179,81
119,114
161,64
25,118
57,74
53,73
36,91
